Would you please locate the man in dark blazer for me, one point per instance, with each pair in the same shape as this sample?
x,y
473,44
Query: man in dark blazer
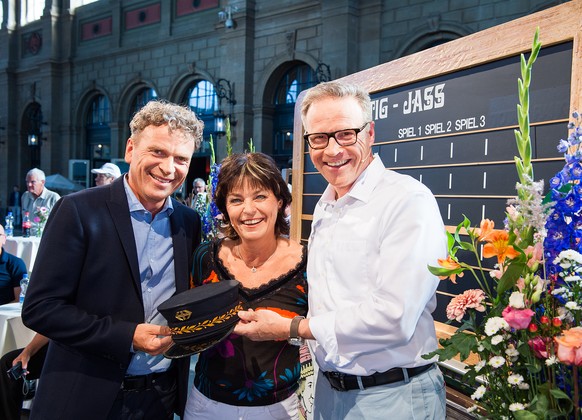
x,y
108,257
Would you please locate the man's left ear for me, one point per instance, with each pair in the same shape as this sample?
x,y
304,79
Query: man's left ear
x,y
372,130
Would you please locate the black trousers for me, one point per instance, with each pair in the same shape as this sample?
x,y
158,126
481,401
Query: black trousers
x,y
156,401
11,396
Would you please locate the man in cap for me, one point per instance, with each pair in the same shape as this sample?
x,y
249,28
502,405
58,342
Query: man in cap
x,y
106,174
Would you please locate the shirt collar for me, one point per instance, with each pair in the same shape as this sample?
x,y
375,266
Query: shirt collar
x,y
136,205
44,193
364,185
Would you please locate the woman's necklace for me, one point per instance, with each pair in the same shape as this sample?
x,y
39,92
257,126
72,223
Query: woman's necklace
x,y
254,267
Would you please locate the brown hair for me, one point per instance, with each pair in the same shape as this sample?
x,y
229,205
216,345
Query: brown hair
x,y
260,170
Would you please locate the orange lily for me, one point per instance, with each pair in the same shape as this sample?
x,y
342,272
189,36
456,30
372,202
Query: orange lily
x,y
485,229
450,264
498,246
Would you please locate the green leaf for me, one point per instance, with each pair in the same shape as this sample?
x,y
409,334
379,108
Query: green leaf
x,y
444,272
509,278
467,246
450,241
524,415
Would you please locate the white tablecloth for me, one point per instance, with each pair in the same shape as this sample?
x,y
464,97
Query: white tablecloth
x,y
13,333
25,248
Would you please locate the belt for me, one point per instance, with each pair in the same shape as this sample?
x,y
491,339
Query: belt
x,y
143,382
345,382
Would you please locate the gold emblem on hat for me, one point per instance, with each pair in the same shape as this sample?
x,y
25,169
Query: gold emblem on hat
x,y
183,315
207,323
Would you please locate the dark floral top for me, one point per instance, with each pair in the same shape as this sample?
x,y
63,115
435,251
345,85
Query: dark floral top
x,y
238,371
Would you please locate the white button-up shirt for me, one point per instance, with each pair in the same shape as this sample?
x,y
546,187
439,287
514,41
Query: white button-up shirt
x,y
370,292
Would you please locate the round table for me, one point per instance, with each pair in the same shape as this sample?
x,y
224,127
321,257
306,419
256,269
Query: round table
x,y
25,248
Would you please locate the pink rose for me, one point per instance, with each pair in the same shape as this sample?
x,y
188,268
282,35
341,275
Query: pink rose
x,y
518,319
539,347
470,298
570,346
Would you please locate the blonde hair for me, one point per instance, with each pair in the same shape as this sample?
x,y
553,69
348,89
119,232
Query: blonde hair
x,y
176,117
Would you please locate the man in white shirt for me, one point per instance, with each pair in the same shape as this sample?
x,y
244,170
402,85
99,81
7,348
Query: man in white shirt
x,y
37,195
371,295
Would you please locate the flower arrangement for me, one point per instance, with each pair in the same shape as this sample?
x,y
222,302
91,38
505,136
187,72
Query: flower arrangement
x,y
40,217
524,321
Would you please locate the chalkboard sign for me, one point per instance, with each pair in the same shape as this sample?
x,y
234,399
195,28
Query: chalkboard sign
x,y
454,133
446,117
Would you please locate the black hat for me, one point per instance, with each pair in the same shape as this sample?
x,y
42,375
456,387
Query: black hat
x,y
201,317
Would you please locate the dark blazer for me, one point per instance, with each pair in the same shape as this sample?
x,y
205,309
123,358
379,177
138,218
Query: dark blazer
x,y
85,295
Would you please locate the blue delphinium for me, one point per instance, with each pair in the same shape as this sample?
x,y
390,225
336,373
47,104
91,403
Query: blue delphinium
x,y
564,224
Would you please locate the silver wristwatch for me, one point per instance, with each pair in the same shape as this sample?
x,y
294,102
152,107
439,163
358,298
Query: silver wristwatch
x,y
294,338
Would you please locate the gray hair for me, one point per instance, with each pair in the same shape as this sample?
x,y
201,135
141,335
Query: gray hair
x,y
337,89
176,117
37,173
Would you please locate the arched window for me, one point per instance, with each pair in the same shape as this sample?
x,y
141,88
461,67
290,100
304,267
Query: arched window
x,y
143,97
98,131
31,10
293,82
202,99
32,129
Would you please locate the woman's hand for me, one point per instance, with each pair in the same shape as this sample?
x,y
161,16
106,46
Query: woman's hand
x,y
263,325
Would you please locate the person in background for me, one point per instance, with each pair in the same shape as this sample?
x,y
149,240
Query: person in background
x,y
371,296
106,174
108,257
239,378
14,204
198,188
11,391
12,269
37,195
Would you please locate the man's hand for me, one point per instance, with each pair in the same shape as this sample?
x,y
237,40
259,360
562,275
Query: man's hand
x,y
152,339
262,325
23,358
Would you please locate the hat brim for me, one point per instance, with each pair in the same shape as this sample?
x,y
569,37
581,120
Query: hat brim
x,y
184,350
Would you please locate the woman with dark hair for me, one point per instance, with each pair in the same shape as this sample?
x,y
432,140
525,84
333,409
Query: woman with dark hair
x,y
239,378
